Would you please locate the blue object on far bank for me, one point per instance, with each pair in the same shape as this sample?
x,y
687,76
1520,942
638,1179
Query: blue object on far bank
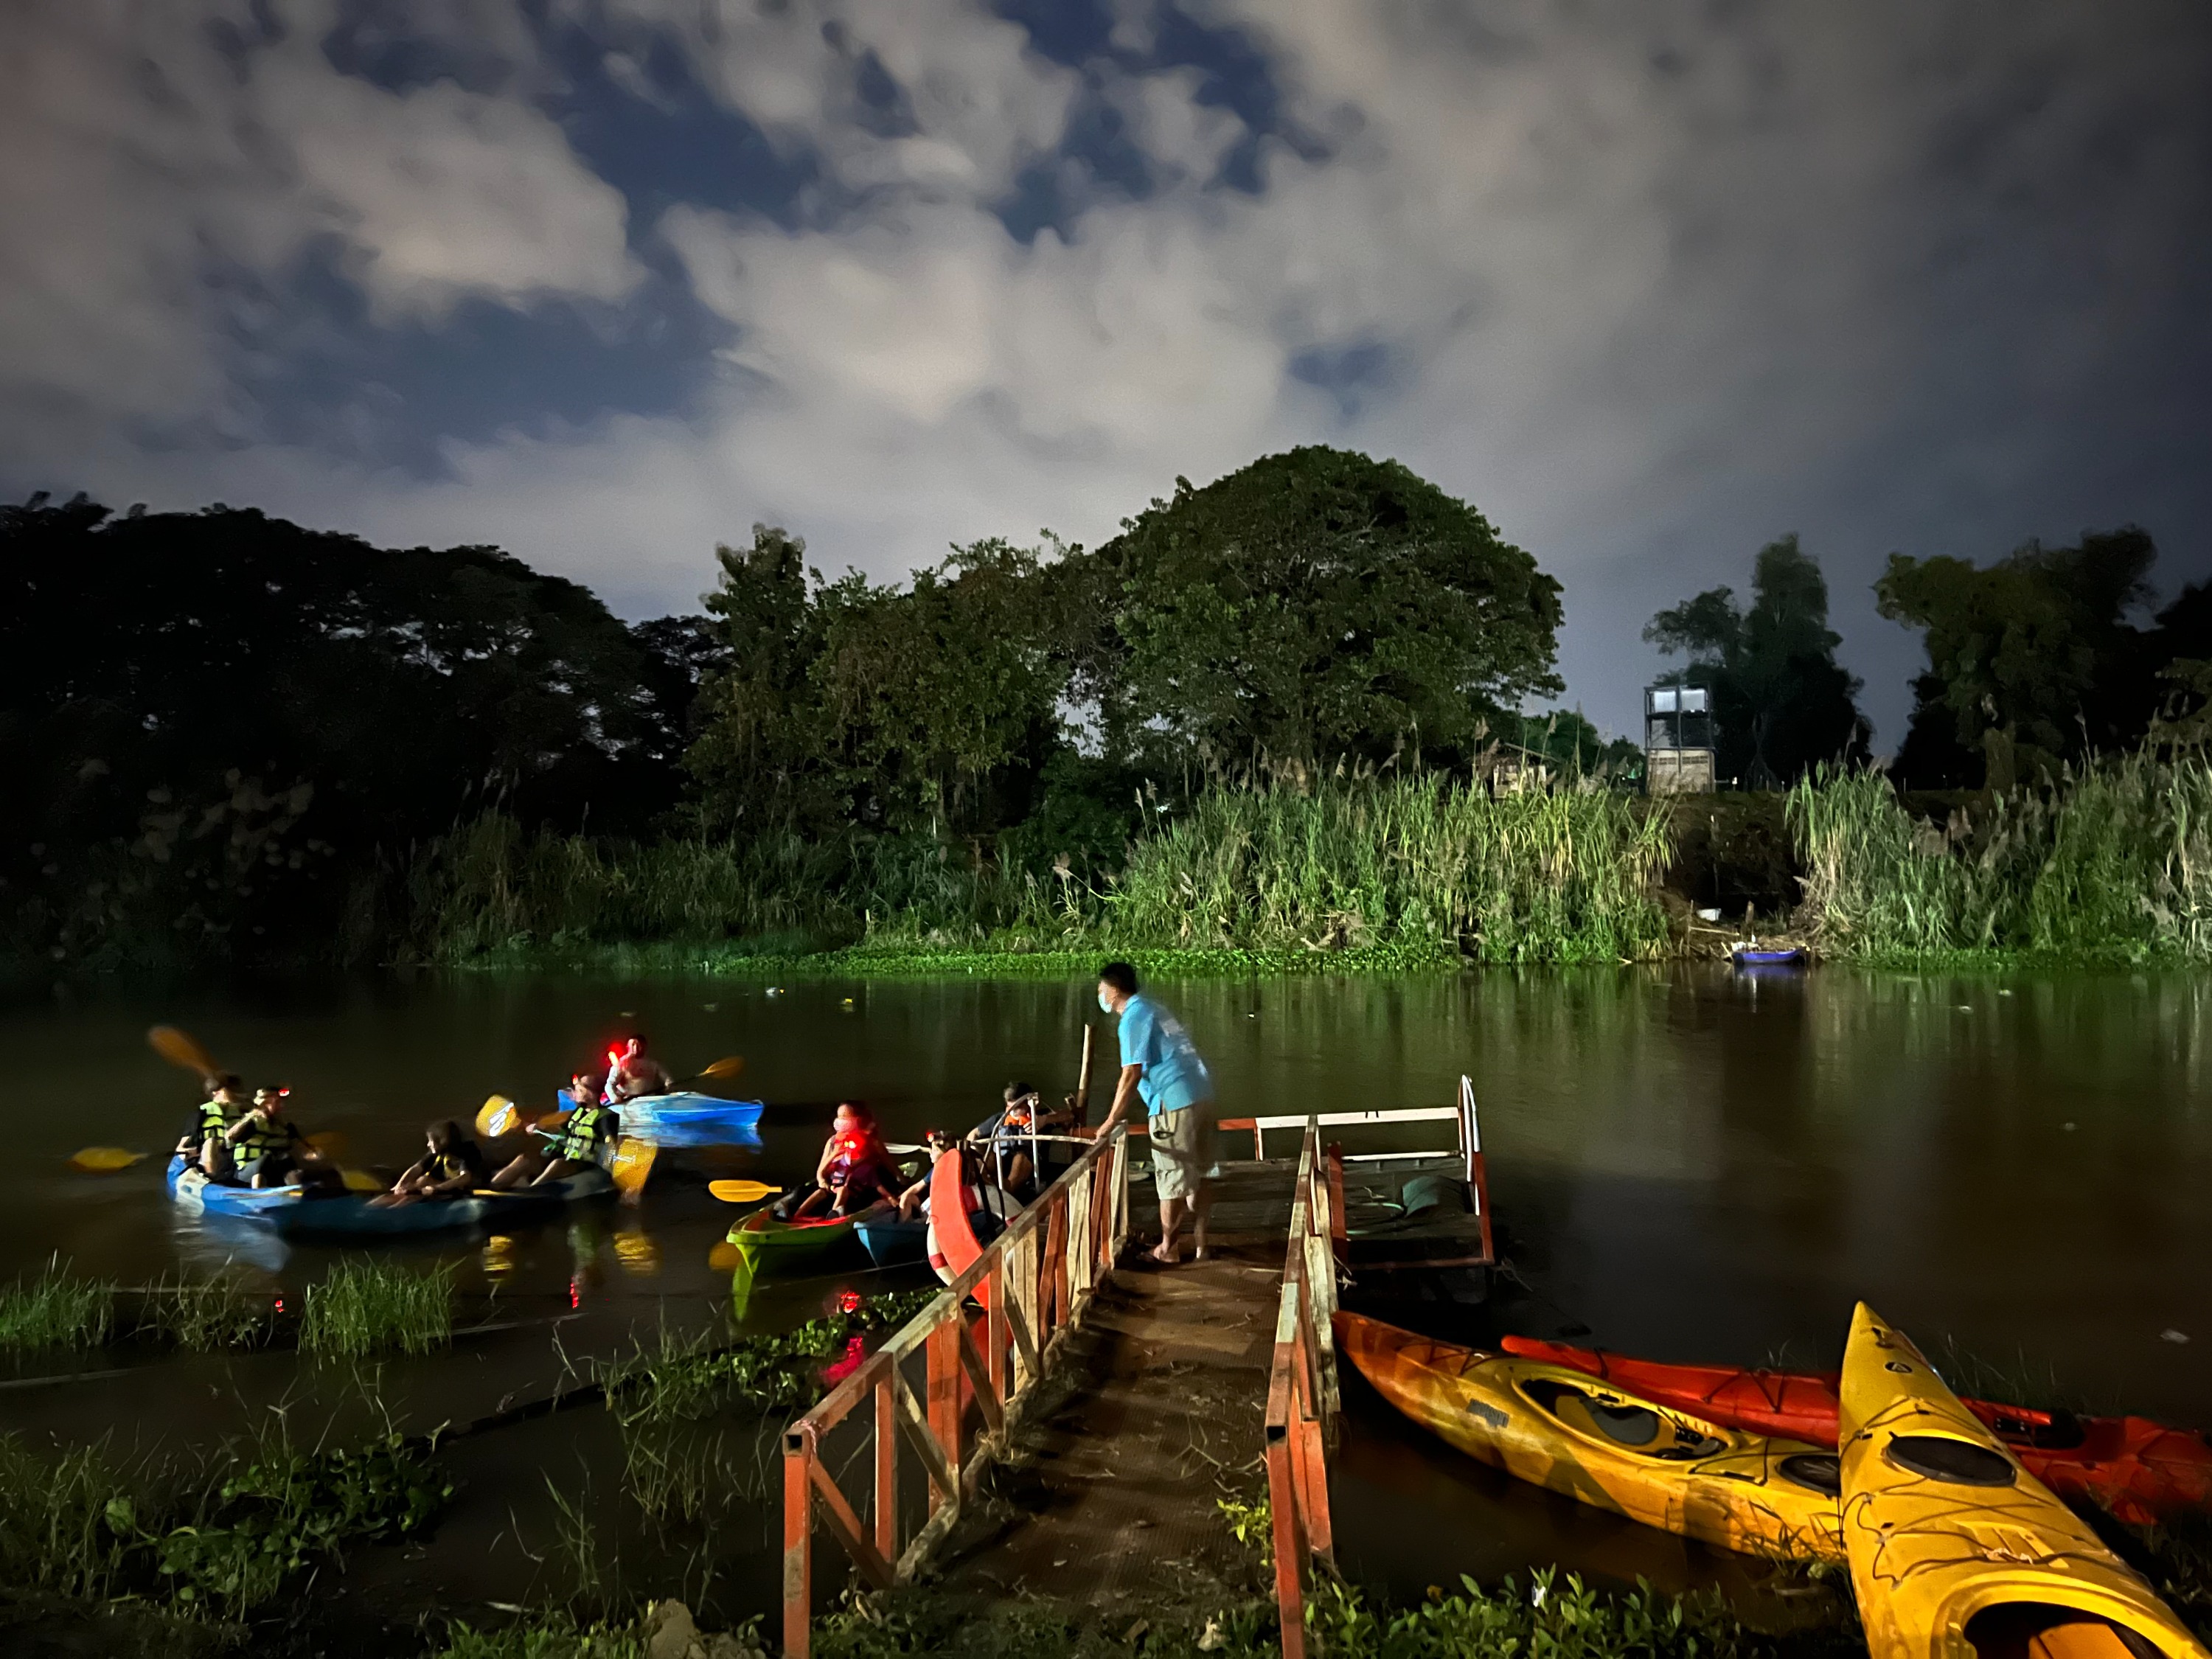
x,y
1745,958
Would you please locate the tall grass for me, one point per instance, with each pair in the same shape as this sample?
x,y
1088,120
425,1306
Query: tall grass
x,y
1419,867
367,1307
56,1310
2113,861
1421,864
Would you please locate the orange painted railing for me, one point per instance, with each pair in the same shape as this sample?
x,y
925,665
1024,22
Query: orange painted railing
x,y
1036,1280
1301,1397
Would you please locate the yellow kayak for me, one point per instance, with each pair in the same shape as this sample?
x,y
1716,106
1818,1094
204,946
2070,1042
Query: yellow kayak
x,y
1957,1552
1564,1430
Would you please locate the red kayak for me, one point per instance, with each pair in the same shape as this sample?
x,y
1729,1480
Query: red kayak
x,y
2142,1472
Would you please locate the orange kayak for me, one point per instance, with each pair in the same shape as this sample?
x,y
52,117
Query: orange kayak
x,y
2139,1471
1556,1427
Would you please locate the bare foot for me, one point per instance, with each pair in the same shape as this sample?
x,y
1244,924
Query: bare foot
x,y
1165,1256
1201,1253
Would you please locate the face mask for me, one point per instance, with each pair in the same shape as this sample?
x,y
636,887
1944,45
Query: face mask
x,y
1106,1002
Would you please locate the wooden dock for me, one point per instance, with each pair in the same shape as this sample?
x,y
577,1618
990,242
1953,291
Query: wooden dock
x,y
1071,1441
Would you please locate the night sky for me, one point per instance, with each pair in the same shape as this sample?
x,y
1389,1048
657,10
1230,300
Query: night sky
x,y
605,281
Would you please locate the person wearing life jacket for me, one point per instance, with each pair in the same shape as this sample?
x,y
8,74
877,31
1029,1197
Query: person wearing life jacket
x,y
631,1072
267,1148
203,1142
578,1143
451,1165
856,1170
1004,1136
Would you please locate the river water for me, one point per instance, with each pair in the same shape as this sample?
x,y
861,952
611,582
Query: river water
x,y
1691,1163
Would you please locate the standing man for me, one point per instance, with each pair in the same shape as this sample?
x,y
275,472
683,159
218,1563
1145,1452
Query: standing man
x,y
1160,1065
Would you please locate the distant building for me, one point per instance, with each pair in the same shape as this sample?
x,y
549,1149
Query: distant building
x,y
1678,740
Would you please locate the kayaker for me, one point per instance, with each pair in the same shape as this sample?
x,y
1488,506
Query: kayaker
x,y
631,1072
1161,1067
914,1200
856,1170
1004,1136
267,1148
450,1164
203,1142
577,1144
584,1088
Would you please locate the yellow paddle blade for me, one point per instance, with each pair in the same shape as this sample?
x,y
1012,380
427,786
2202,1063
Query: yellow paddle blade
x,y
724,1258
179,1048
104,1160
728,1066
633,1163
360,1180
741,1192
496,1117
331,1142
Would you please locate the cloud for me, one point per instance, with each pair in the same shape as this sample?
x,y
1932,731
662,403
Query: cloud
x,y
1649,290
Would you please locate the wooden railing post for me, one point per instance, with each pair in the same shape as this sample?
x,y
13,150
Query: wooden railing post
x,y
798,1542
1033,1290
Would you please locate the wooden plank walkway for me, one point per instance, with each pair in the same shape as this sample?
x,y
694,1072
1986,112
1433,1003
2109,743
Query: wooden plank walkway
x,y
1106,1497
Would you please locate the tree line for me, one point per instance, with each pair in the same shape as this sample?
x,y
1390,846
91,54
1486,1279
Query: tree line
x,y
230,734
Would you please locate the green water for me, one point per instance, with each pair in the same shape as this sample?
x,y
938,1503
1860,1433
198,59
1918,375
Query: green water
x,y
1694,1165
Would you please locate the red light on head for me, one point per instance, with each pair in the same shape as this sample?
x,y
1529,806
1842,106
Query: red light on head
x,y
849,1302
280,1304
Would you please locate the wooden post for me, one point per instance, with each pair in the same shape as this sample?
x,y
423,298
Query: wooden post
x,y
798,1544
945,1402
887,1472
1082,1077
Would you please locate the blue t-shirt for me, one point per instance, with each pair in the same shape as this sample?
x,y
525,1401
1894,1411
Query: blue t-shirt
x,y
1174,1076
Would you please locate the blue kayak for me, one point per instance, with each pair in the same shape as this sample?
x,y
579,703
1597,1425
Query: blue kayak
x,y
1747,958
891,1243
290,1214
685,1119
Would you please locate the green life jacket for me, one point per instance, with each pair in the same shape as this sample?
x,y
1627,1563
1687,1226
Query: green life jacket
x,y
449,1166
582,1136
261,1138
214,1118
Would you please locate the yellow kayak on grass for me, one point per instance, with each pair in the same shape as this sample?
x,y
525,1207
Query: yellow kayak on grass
x,y
1956,1551
1562,1429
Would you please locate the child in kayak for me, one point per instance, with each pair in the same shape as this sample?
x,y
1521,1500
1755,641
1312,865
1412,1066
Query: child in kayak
x,y
267,1148
203,1143
578,1145
914,1200
451,1165
856,1171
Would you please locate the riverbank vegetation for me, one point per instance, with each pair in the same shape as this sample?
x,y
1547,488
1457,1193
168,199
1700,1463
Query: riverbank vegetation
x,y
1275,723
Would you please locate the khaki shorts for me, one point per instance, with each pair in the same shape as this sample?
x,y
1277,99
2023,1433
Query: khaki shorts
x,y
1186,1151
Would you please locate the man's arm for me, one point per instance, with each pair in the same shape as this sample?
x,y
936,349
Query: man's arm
x,y
1124,1092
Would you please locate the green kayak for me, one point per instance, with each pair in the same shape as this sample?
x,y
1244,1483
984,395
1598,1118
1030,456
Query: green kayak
x,y
771,1246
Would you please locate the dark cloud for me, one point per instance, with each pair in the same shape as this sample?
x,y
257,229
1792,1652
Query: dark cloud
x,y
606,280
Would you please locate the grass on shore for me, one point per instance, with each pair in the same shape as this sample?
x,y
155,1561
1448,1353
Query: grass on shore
x,y
56,1310
1392,874
2113,863
370,1307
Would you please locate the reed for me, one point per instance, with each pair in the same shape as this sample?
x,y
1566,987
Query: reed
x,y
206,1315
66,1523
1397,870
367,1307
56,1310
2112,862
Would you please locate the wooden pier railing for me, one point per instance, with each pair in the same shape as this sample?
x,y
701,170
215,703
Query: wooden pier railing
x,y
1035,1279
1302,1395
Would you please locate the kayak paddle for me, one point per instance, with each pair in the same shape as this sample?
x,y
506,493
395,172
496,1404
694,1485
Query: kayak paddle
x,y
180,1048
741,1192
633,1162
105,1160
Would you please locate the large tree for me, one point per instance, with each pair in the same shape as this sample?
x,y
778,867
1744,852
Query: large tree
x,y
2031,660
1314,605
1781,701
228,721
